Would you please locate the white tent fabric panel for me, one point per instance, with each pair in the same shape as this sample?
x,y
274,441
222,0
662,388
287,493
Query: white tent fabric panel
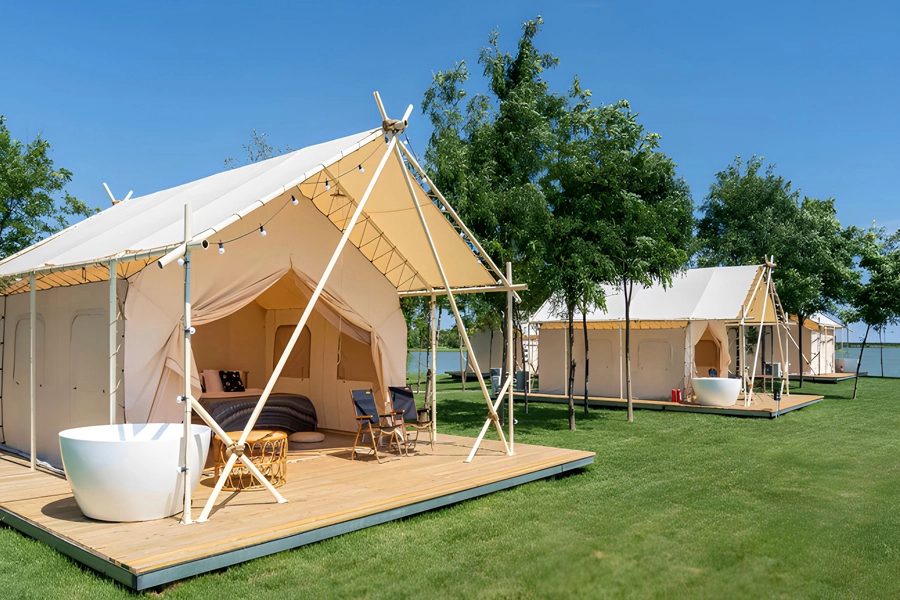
x,y
155,221
715,293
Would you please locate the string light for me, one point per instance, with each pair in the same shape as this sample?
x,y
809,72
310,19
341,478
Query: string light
x,y
294,201
181,262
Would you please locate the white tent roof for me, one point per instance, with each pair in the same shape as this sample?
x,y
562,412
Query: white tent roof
x,y
389,233
713,294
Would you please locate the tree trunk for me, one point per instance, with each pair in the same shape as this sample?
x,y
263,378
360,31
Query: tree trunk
x,y
627,288
571,311
859,364
800,319
586,359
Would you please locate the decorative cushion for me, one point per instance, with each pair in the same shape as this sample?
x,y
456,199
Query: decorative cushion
x,y
212,381
231,381
307,437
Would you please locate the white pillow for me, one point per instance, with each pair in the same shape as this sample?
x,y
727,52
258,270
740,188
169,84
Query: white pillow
x,y
212,380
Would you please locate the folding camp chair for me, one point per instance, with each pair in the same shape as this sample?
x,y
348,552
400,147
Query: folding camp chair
x,y
368,421
402,400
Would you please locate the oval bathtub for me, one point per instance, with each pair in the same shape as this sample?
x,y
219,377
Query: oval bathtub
x,y
130,472
716,391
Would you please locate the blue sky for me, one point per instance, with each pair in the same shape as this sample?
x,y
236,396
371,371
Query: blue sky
x,y
145,98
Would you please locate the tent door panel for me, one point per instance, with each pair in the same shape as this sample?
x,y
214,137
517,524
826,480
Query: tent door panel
x,y
89,370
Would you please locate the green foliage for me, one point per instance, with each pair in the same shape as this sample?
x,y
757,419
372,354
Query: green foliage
x,y
487,154
876,302
29,185
257,148
750,214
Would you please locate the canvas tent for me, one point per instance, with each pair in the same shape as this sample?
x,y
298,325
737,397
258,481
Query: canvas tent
x,y
676,333
82,347
819,346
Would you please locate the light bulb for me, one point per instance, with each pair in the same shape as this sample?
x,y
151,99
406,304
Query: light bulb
x,y
294,200
262,230
180,262
221,248
361,170
327,185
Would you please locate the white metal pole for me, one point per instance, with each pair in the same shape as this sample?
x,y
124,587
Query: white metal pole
x,y
32,299
492,412
433,390
186,397
276,373
113,342
510,366
741,353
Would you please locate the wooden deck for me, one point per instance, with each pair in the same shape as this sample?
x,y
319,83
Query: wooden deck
x,y
327,493
762,405
828,377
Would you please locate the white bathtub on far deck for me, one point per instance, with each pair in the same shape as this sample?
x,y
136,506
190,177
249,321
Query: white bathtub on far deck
x,y
131,472
716,391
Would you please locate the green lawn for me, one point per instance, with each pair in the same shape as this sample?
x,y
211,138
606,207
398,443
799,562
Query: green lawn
x,y
677,505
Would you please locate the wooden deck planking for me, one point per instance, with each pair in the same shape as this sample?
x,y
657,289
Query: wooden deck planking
x,y
762,405
323,490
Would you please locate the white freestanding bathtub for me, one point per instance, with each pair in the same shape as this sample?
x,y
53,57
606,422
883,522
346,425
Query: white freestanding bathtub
x,y
131,472
716,391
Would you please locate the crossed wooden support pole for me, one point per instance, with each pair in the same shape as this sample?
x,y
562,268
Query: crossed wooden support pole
x,y
235,448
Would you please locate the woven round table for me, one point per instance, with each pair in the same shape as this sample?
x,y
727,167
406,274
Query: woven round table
x,y
268,452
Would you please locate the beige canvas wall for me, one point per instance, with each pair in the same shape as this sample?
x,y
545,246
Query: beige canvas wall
x,y
72,361
818,351
489,352
235,343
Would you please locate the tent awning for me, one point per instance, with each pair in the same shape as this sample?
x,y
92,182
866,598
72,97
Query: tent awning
x,y
332,175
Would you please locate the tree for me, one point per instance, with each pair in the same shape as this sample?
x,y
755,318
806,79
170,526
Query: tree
x,y
487,154
750,214
29,185
877,301
574,264
257,148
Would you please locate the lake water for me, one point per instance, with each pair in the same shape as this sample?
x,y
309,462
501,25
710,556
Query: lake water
x,y
446,361
871,362
449,361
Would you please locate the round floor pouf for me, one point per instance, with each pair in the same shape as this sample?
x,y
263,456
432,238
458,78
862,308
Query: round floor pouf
x,y
307,437
268,452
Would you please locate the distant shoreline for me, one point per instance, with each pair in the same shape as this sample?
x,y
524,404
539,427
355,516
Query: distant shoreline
x,y
871,345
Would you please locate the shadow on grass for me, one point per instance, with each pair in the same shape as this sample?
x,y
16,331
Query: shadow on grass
x,y
462,414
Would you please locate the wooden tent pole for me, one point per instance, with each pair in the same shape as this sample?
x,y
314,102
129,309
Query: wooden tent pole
x,y
32,394
492,409
510,366
433,391
289,347
767,273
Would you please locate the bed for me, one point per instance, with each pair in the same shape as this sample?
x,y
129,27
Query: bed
x,y
283,412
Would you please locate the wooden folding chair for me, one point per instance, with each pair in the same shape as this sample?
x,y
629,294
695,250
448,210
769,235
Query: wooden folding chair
x,y
419,419
368,421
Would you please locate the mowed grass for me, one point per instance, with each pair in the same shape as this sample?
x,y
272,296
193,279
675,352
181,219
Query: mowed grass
x,y
676,506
